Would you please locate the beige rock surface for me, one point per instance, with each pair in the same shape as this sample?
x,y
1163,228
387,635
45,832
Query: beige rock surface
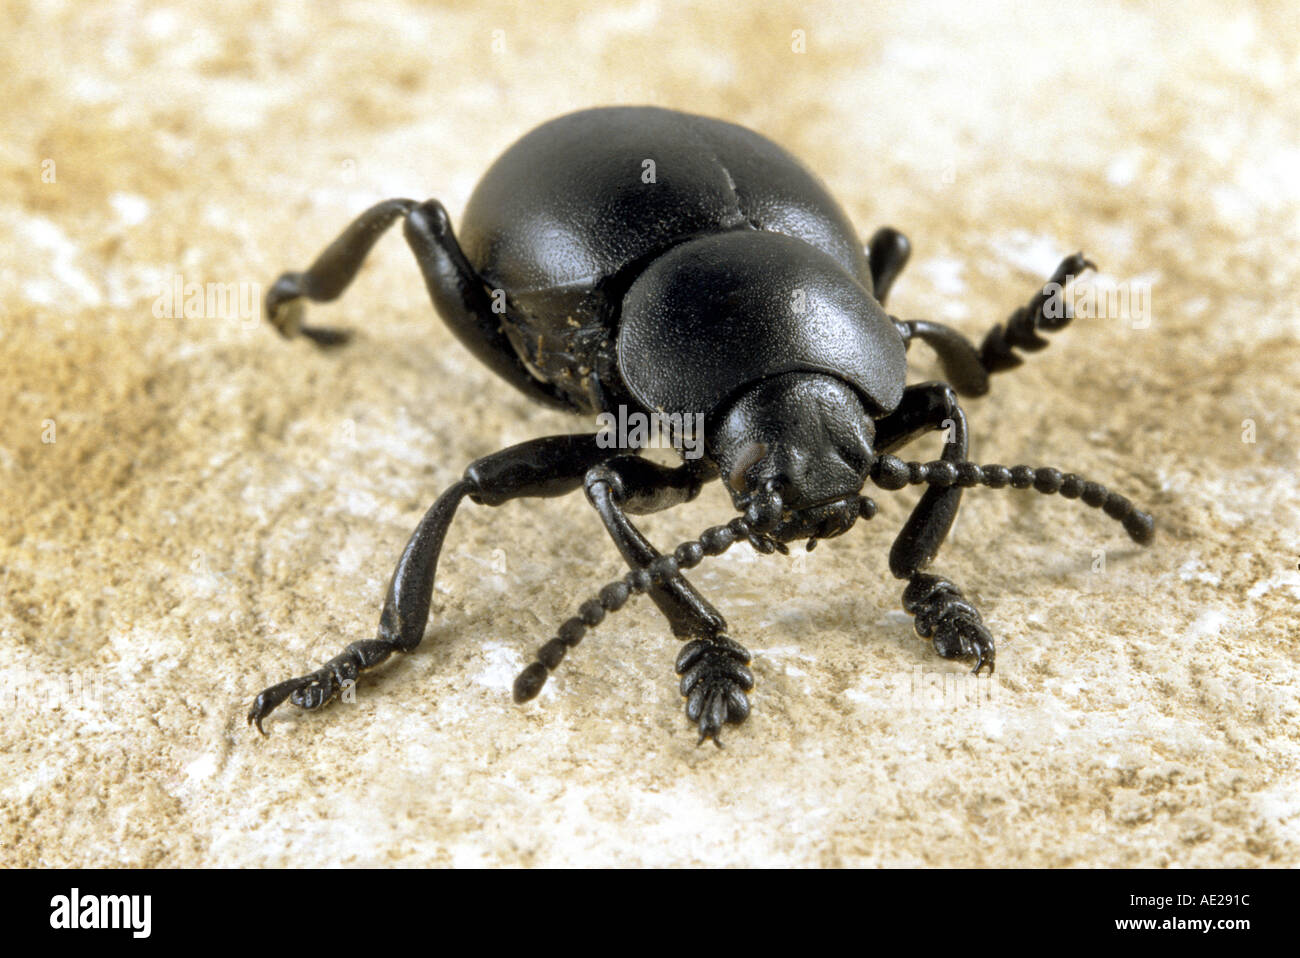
x,y
194,508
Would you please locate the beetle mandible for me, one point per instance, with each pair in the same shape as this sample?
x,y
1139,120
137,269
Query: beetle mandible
x,y
646,260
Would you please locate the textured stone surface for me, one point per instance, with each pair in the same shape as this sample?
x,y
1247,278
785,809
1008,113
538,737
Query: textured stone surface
x,y
220,509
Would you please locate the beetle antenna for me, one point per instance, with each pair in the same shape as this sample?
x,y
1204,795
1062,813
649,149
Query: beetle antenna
x,y
712,542
890,472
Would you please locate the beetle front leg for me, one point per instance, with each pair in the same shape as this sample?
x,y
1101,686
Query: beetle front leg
x,y
713,667
923,408
941,612
552,466
632,484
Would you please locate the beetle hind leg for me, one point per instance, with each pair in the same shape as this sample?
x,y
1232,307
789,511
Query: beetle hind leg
x,y
458,293
331,273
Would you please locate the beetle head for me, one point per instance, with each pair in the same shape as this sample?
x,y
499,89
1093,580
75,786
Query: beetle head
x,y
794,451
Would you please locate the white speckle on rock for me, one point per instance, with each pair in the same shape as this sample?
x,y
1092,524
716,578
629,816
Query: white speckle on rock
x,y
1035,254
503,664
130,208
161,24
1193,570
202,767
1122,170
993,723
1207,623
945,274
780,651
1289,580
70,281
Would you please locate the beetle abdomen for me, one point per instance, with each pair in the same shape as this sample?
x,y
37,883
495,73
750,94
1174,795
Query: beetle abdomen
x,y
580,198
564,221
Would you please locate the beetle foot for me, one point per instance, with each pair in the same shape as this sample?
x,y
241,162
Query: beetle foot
x,y
943,613
1052,311
307,692
715,677
284,309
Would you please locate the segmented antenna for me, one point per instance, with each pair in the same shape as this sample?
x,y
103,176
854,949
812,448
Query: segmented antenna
x,y
712,542
890,472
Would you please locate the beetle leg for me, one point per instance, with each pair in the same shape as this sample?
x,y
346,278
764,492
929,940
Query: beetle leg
x,y
1049,310
940,610
551,466
633,484
960,359
966,367
887,254
331,273
463,301
924,407
945,615
713,667
715,679
458,293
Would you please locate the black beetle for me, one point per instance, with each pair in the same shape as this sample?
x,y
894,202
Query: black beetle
x,y
658,263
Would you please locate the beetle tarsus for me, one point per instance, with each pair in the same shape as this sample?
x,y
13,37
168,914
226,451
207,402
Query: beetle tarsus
x,y
284,310
1048,311
317,689
715,677
271,699
944,615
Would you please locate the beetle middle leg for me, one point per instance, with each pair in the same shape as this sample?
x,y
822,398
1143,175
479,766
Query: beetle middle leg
x,y
551,466
714,667
939,609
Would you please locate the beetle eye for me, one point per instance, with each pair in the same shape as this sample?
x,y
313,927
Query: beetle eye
x,y
747,458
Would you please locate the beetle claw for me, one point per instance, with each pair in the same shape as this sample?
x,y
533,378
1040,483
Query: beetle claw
x,y
308,692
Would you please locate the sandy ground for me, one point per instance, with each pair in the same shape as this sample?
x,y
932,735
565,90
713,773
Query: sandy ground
x,y
194,508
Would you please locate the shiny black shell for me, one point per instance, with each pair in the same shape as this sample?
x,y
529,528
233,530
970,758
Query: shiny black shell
x,y
572,215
